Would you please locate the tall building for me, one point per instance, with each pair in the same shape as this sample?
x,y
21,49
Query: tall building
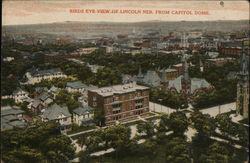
x,y
242,101
120,102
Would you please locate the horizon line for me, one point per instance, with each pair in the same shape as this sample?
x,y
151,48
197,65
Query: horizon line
x,y
128,22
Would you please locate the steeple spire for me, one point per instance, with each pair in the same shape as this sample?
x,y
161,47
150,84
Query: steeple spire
x,y
163,75
140,75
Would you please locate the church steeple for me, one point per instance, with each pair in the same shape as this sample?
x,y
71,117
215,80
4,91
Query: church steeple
x,y
140,75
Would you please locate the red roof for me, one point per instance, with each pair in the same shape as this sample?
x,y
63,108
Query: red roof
x,y
28,118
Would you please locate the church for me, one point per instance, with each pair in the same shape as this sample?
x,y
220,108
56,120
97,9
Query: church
x,y
189,87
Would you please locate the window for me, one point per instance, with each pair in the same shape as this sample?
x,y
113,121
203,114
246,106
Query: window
x,y
94,98
116,111
65,119
94,104
116,105
139,101
138,107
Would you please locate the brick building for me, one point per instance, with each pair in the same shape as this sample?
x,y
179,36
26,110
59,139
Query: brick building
x,y
120,102
218,62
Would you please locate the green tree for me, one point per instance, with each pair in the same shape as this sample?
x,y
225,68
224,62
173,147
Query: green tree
x,y
177,151
118,137
217,153
225,125
178,123
39,142
147,128
99,117
203,123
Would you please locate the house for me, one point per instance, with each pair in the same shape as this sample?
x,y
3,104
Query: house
x,y
35,75
18,95
53,91
12,116
46,99
36,106
120,102
58,114
39,91
218,62
76,86
83,116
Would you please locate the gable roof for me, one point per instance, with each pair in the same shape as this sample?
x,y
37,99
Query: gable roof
x,y
54,89
196,83
76,85
82,110
53,111
151,78
44,97
11,111
19,91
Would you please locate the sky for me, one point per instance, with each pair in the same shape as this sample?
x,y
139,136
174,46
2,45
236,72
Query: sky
x,y
15,12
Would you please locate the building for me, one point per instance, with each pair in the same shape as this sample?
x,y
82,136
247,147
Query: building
x,y
151,78
120,102
242,101
35,75
169,73
18,95
83,116
58,114
12,116
218,62
179,67
188,87
76,86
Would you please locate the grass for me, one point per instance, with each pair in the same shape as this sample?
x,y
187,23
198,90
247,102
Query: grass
x,y
133,123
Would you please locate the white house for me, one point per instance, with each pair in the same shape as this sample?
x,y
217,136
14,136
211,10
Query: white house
x,y
83,115
35,75
59,115
76,86
19,95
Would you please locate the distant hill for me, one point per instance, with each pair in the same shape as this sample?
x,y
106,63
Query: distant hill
x,y
88,29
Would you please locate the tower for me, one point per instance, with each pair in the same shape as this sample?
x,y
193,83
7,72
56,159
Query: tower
x,y
242,101
140,75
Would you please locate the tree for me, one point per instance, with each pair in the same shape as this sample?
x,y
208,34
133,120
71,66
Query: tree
x,y
203,123
226,126
177,151
178,123
242,134
99,117
40,142
147,128
59,149
163,123
117,137
23,155
68,99
217,153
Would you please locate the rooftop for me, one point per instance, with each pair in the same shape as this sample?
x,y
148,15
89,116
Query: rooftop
x,y
54,111
118,89
11,111
82,110
76,85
